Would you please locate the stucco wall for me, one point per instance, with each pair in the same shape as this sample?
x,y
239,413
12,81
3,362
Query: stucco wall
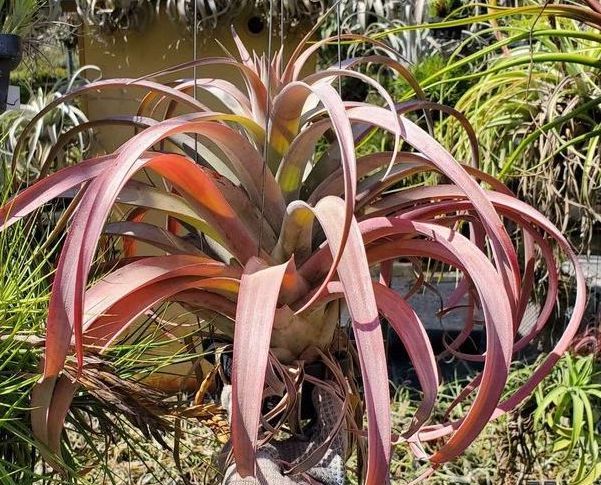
x,y
163,43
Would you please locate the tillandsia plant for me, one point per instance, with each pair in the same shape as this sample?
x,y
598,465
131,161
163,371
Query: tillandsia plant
x,y
115,14
568,409
111,15
372,17
43,139
272,221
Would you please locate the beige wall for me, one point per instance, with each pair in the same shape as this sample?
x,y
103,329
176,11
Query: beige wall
x,y
160,44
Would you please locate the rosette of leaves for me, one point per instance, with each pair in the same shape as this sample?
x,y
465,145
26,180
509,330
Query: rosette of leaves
x,y
567,406
272,221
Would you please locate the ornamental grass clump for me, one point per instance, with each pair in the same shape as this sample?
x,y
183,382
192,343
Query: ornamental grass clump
x,y
533,94
271,221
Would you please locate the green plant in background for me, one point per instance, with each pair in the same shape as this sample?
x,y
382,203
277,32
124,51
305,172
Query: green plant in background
x,y
109,411
440,9
47,69
534,98
539,122
569,403
24,286
371,17
18,17
44,143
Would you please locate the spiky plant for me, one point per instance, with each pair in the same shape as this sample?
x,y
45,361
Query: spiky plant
x,y
538,120
109,401
18,17
23,296
243,185
567,405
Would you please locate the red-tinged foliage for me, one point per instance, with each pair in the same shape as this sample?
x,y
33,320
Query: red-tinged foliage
x,y
269,270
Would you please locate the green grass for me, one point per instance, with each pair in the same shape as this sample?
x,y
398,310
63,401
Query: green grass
x,y
23,301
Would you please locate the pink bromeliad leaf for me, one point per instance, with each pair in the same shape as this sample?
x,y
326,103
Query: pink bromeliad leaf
x,y
355,277
254,320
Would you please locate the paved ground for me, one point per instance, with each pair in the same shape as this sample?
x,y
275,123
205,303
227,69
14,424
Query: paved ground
x,y
591,266
426,303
